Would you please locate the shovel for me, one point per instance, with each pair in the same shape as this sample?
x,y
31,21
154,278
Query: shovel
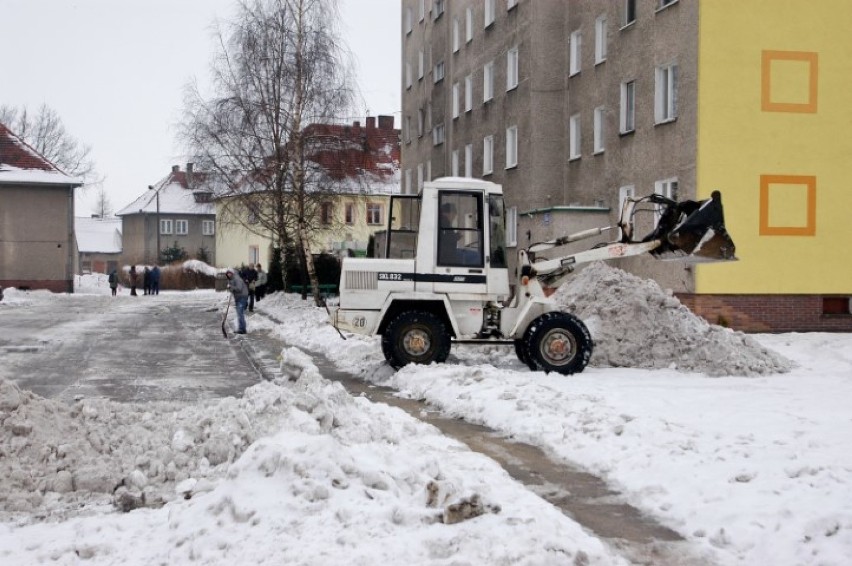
x,y
225,318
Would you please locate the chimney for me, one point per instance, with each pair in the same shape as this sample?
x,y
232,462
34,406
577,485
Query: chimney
x,y
371,122
356,125
175,168
385,122
189,167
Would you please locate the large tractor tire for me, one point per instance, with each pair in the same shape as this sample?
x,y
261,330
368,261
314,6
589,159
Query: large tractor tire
x,y
523,354
416,337
558,342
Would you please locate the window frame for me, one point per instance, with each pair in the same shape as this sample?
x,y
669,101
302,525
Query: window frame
x,y
512,227
181,227
468,93
166,226
665,93
487,155
349,213
468,160
600,39
628,15
326,213
489,13
575,53
468,25
438,134
454,163
511,147
574,137
455,100
627,110
375,212
599,130
488,82
512,78
208,227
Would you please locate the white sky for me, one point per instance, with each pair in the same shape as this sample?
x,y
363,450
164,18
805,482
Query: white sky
x,y
115,72
748,470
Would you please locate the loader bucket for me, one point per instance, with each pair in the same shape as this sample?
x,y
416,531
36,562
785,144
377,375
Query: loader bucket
x,y
699,235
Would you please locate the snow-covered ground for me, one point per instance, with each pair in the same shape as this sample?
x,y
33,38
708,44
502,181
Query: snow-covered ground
x,y
750,470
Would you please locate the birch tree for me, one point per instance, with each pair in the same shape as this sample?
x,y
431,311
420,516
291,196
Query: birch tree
x,y
279,67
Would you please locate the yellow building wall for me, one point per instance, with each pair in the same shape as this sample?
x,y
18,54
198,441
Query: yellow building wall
x,y
233,241
775,111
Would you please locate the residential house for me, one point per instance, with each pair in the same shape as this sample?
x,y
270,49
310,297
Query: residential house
x,y
359,165
575,106
37,245
177,212
98,243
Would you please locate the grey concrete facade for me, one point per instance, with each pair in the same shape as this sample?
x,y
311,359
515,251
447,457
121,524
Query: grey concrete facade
x,y
554,192
139,234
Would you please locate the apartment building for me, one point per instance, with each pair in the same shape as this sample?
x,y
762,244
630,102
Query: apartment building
x,y
574,105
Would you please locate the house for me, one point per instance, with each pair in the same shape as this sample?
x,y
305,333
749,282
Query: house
x,y
176,214
575,106
361,163
98,243
37,244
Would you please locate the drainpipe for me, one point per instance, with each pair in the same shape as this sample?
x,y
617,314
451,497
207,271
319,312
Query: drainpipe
x,y
69,254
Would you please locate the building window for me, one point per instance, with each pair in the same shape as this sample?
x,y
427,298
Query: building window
x,y
408,182
374,213
489,12
456,94
420,62
419,176
438,9
511,4
599,129
254,254
406,134
419,122
574,46
455,163
429,170
326,211
488,155
511,147
181,227
468,25
408,20
407,74
628,107
574,136
666,188
624,193
512,226
439,72
438,134
422,9
468,93
456,35
600,39
629,12
251,218
468,160
837,305
663,3
166,226
208,227
488,82
665,94
512,69
349,213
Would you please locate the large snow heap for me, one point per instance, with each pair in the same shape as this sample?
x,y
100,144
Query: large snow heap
x,y
636,324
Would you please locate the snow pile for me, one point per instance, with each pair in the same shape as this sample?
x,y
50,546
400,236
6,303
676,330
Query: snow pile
x,y
637,324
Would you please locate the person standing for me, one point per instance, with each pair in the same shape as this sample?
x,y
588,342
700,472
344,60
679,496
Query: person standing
x,y
146,281
134,280
260,288
250,277
113,282
239,289
155,280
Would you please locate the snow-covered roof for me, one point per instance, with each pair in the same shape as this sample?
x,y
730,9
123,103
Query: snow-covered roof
x,y
177,195
98,235
20,164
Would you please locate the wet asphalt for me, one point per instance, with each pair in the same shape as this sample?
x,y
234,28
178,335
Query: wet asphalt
x,y
166,347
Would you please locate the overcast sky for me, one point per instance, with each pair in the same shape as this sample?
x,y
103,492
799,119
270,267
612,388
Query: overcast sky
x,y
115,70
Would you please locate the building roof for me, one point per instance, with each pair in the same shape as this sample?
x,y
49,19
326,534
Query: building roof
x,y
178,194
20,164
358,158
98,235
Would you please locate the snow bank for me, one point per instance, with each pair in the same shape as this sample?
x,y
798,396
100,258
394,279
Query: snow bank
x,y
635,323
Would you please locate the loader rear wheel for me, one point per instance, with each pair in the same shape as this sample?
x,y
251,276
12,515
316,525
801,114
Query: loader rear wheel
x,y
523,354
416,337
559,342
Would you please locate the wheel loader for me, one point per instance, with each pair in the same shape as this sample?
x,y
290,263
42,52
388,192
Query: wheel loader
x,y
441,275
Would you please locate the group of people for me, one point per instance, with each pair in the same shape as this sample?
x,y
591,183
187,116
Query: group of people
x,y
150,280
248,285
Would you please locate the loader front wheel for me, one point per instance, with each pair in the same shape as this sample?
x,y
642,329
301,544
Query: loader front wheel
x,y
559,342
415,337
